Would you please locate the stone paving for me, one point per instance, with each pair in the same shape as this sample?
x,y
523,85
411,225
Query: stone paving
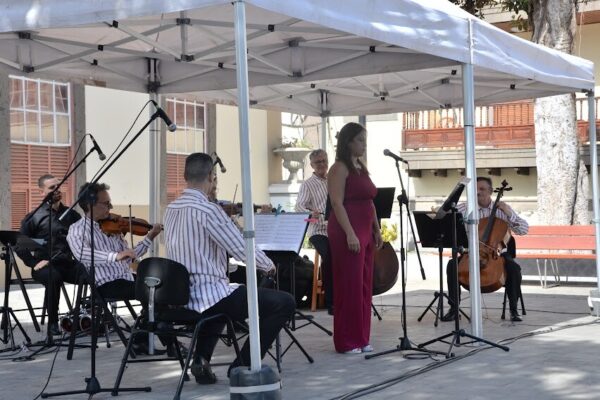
x,y
553,355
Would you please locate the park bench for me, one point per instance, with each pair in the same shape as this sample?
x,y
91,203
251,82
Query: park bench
x,y
553,243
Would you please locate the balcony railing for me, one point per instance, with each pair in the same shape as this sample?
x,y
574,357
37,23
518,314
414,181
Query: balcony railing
x,y
499,125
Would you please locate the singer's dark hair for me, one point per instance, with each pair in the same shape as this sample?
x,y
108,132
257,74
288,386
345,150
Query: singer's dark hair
x,y
197,167
42,179
91,190
485,179
342,152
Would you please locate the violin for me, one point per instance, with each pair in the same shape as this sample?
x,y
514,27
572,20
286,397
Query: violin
x,y
493,238
116,224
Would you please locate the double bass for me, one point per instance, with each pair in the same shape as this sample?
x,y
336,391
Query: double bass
x,y
493,236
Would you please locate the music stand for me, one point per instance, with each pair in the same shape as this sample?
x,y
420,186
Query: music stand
x,y
10,239
437,233
280,236
383,201
450,206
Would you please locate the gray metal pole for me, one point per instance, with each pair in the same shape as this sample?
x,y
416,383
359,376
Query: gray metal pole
x,y
154,147
594,168
472,216
247,209
323,120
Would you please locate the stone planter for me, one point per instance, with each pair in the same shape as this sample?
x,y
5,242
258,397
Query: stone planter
x,y
293,160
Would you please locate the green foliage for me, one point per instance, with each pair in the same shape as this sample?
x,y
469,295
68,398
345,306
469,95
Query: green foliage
x,y
389,232
515,7
296,143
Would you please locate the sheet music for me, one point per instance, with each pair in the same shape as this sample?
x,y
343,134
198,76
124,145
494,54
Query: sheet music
x,y
280,232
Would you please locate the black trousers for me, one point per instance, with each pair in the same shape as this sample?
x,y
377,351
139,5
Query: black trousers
x,y
274,308
512,284
321,244
62,271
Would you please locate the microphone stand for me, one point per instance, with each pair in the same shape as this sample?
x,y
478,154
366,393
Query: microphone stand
x,y
405,344
92,383
49,342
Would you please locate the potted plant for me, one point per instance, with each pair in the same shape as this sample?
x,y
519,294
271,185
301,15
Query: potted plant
x,y
293,154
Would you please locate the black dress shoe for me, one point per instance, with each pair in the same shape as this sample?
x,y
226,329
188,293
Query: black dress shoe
x,y
203,373
450,315
515,317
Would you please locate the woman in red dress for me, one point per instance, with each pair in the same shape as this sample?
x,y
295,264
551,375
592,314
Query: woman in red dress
x,y
354,234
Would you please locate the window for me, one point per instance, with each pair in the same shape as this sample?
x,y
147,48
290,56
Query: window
x,y
40,132
40,112
189,118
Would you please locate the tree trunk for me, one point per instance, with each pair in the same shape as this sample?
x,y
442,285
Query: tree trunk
x,y
562,177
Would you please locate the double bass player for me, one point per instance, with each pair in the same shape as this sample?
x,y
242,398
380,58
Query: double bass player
x,y
517,225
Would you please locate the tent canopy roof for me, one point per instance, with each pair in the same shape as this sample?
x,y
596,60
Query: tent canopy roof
x,y
369,57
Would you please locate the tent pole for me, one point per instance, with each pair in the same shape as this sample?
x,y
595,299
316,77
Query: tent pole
x,y
594,168
472,217
247,209
154,160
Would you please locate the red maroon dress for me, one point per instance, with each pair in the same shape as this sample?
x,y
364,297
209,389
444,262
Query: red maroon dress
x,y
353,272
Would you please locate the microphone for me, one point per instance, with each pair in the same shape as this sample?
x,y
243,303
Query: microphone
x,y
218,161
101,155
388,153
163,115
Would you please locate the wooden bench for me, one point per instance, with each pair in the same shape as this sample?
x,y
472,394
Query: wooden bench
x,y
555,242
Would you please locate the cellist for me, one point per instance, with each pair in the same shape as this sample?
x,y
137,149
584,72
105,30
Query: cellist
x,y
516,224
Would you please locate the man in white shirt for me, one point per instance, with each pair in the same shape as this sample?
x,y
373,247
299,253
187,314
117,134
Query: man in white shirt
x,y
516,224
312,198
199,235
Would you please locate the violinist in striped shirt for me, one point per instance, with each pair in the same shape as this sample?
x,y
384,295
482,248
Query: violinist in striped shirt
x,y
199,235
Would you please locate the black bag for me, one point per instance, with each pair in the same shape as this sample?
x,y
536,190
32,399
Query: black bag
x,y
304,276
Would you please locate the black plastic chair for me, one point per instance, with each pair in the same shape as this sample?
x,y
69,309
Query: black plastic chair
x,y
162,286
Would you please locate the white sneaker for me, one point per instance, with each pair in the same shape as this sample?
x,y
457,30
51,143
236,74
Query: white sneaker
x,y
367,349
357,350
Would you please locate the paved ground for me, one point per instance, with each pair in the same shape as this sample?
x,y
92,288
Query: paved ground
x,y
553,355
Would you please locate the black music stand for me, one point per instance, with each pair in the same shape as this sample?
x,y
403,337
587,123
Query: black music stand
x,y
405,343
450,206
10,239
437,233
383,201
280,236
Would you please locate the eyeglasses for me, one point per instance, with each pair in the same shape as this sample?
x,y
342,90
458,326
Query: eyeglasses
x,y
107,204
52,187
320,162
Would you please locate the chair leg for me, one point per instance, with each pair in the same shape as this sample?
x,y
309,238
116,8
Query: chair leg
x,y
128,350
315,283
503,316
522,303
76,311
25,295
66,297
187,361
232,338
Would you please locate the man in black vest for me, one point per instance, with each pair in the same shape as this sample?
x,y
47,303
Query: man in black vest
x,y
64,267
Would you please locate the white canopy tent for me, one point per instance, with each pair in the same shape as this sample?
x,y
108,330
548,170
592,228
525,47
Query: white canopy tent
x,y
362,57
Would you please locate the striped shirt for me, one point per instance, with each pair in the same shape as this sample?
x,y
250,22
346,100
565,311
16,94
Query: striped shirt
x,y
198,234
106,248
516,224
313,197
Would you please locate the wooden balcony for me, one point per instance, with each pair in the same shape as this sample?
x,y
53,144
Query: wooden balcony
x,y
508,125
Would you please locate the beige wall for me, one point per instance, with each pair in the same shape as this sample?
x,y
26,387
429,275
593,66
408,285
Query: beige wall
x,y
109,114
228,148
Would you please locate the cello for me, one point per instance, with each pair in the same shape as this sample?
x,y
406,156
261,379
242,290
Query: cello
x,y
493,236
